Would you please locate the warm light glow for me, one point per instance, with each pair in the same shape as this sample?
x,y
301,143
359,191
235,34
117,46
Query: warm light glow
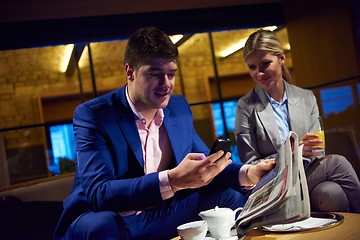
x,y
66,57
82,62
286,46
176,38
240,44
271,28
233,48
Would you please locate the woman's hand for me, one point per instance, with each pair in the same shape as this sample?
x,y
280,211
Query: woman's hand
x,y
309,140
255,172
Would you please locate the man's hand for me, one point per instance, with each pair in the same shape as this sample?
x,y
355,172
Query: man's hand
x,y
196,170
255,172
309,141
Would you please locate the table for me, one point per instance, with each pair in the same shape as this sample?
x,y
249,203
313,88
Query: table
x,y
349,230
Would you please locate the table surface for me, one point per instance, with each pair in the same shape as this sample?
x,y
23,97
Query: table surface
x,y
349,229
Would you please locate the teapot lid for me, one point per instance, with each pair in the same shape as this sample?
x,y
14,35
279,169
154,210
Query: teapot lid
x,y
216,212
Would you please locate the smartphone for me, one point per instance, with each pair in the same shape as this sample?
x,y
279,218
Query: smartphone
x,y
221,144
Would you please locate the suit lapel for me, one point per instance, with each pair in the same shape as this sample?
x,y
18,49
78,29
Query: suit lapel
x,y
266,117
128,126
296,108
174,134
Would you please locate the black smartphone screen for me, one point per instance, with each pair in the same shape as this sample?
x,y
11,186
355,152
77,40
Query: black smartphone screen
x,y
221,144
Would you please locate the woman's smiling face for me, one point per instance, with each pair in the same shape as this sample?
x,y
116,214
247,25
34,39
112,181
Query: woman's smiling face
x,y
265,69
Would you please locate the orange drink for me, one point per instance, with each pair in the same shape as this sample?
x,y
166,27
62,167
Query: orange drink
x,y
321,137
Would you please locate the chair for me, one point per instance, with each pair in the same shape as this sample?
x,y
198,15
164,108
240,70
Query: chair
x,y
343,142
31,210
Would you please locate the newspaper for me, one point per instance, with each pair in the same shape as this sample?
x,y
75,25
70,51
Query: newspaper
x,y
281,196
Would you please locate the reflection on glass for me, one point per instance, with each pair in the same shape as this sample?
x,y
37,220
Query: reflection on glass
x,y
230,110
335,100
63,148
26,159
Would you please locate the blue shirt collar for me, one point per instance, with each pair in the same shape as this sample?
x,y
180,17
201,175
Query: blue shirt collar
x,y
273,102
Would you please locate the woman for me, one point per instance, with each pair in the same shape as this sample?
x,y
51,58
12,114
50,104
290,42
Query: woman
x,y
266,114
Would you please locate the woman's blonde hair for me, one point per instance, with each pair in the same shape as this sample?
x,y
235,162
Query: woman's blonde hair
x,y
266,40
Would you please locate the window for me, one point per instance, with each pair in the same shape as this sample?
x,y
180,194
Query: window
x,y
59,94
335,100
229,110
63,148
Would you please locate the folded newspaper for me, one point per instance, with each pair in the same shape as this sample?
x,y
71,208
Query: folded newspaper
x,y
281,195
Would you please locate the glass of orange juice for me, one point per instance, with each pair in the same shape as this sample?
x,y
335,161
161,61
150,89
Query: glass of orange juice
x,y
321,135
319,130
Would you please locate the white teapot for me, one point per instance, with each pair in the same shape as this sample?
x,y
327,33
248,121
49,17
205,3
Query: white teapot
x,y
219,221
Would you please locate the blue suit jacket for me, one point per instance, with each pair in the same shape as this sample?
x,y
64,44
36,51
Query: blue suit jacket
x,y
109,171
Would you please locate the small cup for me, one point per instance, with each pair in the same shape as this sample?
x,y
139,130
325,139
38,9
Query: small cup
x,y
193,230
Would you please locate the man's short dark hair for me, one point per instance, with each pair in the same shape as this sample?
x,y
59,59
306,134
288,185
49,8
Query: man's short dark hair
x,y
147,43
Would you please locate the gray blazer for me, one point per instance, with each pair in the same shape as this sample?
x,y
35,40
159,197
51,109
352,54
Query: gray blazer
x,y
256,130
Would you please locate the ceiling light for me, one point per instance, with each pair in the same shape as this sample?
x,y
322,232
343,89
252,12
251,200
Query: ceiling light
x,y
271,28
176,38
233,48
65,57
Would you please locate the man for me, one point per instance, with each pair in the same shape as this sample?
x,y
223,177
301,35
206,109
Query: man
x,y
141,168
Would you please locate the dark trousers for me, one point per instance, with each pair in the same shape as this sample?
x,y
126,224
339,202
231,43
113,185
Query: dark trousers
x,y
157,223
333,185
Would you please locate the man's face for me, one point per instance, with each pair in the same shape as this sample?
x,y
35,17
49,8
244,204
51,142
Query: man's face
x,y
151,86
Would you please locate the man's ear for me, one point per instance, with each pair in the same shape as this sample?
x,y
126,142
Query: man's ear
x,y
129,72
